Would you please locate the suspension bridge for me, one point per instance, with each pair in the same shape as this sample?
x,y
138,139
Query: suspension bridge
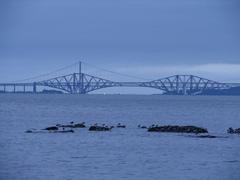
x,y
82,83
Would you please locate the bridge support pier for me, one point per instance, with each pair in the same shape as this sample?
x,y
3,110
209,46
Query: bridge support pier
x,y
34,87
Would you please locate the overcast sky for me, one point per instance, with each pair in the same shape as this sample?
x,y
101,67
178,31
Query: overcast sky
x,y
146,38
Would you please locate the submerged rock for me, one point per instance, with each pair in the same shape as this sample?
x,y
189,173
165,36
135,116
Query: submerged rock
x,y
142,127
178,129
29,131
119,125
66,126
49,131
233,131
63,131
205,136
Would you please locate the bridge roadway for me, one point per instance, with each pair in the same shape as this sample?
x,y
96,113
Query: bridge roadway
x,y
35,84
125,84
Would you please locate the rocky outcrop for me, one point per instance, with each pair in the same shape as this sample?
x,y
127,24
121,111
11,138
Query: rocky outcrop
x,y
178,129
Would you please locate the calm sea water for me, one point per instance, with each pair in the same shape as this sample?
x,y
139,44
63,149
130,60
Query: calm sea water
x,y
129,153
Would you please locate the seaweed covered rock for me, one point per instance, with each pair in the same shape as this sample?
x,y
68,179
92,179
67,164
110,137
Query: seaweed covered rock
x,y
233,131
99,128
178,129
72,125
79,125
65,125
51,128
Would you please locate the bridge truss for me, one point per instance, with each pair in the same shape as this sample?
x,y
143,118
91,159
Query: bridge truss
x,y
185,85
78,83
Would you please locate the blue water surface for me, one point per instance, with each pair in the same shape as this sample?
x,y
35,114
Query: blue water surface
x,y
129,153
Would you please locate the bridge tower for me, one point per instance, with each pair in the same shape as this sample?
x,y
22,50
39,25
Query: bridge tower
x,y
77,81
81,86
77,86
34,87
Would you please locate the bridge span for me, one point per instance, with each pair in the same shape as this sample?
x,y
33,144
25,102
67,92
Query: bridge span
x,y
81,83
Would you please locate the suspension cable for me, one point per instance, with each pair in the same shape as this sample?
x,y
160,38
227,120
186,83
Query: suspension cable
x,y
46,74
75,64
114,72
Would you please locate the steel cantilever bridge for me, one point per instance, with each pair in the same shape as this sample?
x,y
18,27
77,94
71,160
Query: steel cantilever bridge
x,y
81,83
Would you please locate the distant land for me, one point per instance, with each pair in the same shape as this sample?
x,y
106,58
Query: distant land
x,y
234,91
